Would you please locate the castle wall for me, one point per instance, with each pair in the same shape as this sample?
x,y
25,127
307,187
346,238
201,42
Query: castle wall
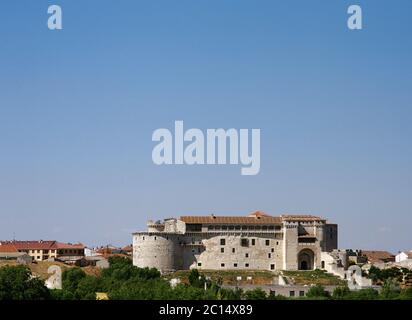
x,y
330,237
198,247
161,251
290,246
258,254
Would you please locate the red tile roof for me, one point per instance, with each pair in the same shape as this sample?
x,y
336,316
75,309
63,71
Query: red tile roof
x,y
375,256
42,245
61,245
230,220
8,247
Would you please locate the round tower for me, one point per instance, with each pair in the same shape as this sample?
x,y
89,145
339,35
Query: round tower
x,y
155,250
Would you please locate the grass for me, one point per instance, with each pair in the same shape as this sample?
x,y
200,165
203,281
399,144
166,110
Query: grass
x,y
229,277
313,277
264,277
40,268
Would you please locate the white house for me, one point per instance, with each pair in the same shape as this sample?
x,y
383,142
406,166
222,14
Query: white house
x,y
402,256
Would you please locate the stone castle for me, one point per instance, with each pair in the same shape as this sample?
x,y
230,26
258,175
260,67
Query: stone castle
x,y
257,241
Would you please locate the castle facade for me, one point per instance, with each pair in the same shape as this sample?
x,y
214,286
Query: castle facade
x,y
256,242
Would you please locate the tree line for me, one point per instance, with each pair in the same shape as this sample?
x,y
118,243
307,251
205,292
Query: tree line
x,y
123,281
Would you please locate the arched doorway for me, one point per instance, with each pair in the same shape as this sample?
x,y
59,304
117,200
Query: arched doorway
x,y
306,259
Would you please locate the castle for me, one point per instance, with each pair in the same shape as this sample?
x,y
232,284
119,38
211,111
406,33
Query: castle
x,y
257,241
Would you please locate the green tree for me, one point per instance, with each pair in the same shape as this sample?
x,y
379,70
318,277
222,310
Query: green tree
x,y
375,274
364,294
71,279
406,294
390,289
317,291
88,286
196,279
341,292
255,294
17,283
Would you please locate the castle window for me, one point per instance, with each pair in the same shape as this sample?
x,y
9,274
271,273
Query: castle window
x,y
233,250
237,227
246,265
246,255
222,265
210,227
264,228
194,227
143,237
267,242
244,242
253,242
244,227
235,265
155,238
272,267
269,255
222,250
301,293
199,264
277,243
224,227
231,227
271,227
291,293
272,250
222,242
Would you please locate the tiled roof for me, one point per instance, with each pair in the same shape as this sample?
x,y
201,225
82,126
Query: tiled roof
x,y
8,247
30,245
41,245
257,217
300,217
374,256
127,248
230,220
60,245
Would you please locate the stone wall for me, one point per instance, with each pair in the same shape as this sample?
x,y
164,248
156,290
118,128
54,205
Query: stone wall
x,y
257,252
161,251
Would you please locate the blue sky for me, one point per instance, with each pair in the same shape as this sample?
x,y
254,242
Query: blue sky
x,y
78,108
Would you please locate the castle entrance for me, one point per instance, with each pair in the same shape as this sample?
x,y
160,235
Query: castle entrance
x,y
306,259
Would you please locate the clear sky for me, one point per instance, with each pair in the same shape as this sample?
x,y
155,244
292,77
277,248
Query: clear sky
x,y
78,108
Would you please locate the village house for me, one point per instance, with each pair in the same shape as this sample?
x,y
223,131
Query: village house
x,y
378,257
403,256
41,250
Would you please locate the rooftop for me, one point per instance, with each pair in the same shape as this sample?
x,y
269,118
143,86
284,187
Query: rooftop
x,y
37,245
257,217
375,256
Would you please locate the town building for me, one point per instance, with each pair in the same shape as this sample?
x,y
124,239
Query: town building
x,y
403,256
256,241
41,250
378,257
